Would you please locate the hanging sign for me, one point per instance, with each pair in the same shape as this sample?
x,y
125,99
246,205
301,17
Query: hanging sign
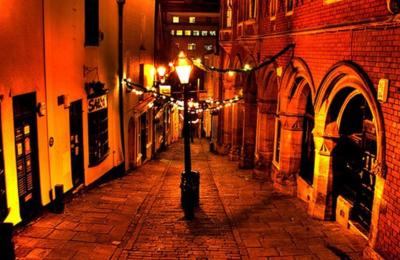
x,y
97,103
165,90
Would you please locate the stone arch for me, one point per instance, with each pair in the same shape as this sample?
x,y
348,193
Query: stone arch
x,y
344,84
296,118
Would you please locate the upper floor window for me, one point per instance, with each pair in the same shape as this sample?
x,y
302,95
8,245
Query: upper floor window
x,y
179,32
191,46
252,9
213,33
172,32
289,7
192,19
188,32
273,8
196,33
175,19
229,13
204,33
208,47
92,23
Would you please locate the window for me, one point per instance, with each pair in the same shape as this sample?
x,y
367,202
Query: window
x,y
252,9
98,129
192,19
289,7
208,47
204,33
91,22
179,32
191,46
213,33
273,8
277,147
172,32
188,32
229,14
175,19
196,33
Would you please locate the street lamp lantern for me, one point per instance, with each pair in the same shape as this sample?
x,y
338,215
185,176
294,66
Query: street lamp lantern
x,y
190,180
183,68
161,71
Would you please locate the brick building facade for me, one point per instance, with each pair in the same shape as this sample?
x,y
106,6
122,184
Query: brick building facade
x,y
325,130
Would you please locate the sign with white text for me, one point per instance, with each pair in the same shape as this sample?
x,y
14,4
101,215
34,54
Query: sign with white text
x,y
97,103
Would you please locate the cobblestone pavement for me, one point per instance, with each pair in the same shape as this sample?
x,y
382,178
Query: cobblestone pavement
x,y
138,216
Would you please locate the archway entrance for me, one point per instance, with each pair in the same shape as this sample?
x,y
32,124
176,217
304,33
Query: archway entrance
x,y
354,156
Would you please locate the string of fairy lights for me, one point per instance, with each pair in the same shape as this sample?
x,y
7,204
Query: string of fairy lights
x,y
209,104
195,107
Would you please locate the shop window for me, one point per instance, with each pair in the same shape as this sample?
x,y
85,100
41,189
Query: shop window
x,y
179,32
192,19
188,32
191,46
175,19
196,33
172,32
98,127
273,9
289,7
213,33
91,22
204,33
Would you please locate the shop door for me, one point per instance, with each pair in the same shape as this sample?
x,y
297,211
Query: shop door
x,y
27,154
3,197
76,144
143,136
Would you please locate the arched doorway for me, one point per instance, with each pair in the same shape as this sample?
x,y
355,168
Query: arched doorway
x,y
354,155
132,142
349,135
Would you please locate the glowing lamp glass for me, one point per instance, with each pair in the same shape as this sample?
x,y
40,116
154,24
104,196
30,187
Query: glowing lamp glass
x,y
183,68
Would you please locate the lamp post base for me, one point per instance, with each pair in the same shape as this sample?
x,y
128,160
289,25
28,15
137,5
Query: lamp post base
x,y
190,191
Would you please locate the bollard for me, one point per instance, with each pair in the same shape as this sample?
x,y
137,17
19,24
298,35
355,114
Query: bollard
x,y
190,192
6,242
58,204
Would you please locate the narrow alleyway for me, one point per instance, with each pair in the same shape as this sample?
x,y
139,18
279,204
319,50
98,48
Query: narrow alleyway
x,y
138,216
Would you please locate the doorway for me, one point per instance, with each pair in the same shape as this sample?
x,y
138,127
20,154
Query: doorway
x,y
26,149
3,195
143,136
76,142
132,143
307,146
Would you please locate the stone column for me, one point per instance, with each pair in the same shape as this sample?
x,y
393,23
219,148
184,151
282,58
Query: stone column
x,y
290,153
249,136
237,131
321,203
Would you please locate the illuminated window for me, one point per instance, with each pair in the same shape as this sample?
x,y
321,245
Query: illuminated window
x,y
177,45
188,32
208,47
229,13
204,33
252,9
213,33
92,23
172,32
196,33
273,8
289,7
179,32
192,19
175,19
191,46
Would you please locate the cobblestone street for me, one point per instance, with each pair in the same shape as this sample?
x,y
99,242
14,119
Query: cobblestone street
x,y
138,216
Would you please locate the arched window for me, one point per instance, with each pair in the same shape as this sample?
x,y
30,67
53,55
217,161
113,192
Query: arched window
x,y
273,9
252,11
229,13
289,7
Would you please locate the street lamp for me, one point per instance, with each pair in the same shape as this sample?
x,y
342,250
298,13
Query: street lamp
x,y
190,180
161,70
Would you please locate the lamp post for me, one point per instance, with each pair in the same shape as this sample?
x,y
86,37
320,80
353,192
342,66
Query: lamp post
x,y
190,180
161,70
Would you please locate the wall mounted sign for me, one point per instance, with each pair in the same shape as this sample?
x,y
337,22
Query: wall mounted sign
x,y
165,90
97,103
383,88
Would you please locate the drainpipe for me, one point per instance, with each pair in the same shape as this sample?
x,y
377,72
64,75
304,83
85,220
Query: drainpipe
x,y
120,73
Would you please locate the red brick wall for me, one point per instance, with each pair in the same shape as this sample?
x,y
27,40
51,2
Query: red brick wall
x,y
376,49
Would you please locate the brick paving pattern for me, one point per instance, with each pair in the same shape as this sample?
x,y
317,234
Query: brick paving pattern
x,y
138,216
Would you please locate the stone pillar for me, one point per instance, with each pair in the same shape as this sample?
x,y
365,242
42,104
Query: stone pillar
x,y
237,131
321,203
249,136
290,154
